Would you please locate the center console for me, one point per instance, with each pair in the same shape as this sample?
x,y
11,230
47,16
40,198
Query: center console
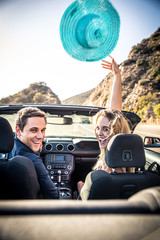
x,y
60,168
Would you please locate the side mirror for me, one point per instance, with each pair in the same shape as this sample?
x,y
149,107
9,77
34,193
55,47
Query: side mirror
x,y
151,142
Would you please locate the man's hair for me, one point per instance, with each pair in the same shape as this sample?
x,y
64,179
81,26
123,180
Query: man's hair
x,y
27,112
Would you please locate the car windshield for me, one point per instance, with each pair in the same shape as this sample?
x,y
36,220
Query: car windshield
x,y
70,126
66,126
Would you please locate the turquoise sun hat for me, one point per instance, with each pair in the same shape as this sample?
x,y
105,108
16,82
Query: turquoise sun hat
x,y
89,29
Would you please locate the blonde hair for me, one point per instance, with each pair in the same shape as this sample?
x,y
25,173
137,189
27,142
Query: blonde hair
x,y
117,124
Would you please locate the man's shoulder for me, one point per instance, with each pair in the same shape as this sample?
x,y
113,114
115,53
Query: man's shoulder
x,y
21,149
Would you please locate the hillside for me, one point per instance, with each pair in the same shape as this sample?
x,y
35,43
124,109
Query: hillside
x,y
78,99
140,81
35,93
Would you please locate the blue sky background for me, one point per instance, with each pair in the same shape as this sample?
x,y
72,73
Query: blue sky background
x,y
31,49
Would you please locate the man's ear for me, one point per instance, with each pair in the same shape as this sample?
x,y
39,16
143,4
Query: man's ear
x,y
18,131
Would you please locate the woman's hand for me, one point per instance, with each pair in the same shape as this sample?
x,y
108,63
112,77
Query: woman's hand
x,y
111,66
80,185
115,100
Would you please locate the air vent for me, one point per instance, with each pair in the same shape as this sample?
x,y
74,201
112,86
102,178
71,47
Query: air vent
x,y
70,147
48,147
59,147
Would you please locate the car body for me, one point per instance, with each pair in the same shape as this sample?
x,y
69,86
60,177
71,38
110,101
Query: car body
x,y
69,152
85,120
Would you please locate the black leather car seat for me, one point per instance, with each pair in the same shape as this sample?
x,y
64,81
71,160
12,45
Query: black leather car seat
x,y
18,177
123,150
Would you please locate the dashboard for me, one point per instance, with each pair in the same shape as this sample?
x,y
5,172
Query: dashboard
x,y
68,162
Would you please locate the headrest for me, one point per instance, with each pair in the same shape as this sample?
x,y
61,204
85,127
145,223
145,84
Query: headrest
x,y
125,150
6,136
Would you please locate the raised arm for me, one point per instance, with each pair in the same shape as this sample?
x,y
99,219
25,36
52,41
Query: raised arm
x,y
116,92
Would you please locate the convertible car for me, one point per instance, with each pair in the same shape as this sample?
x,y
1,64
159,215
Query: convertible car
x,y
69,152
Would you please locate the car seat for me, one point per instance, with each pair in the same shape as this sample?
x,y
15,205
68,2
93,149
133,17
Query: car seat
x,y
123,151
18,177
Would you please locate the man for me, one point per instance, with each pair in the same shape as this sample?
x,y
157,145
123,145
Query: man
x,y
30,132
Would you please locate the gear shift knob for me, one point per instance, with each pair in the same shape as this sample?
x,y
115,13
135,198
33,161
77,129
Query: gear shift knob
x,y
59,176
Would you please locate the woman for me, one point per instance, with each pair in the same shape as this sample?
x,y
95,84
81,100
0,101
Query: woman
x,y
109,122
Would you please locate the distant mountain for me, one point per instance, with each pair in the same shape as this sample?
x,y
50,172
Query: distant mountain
x,y
78,99
35,93
140,81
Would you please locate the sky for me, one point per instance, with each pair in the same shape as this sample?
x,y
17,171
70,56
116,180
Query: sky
x,y
31,50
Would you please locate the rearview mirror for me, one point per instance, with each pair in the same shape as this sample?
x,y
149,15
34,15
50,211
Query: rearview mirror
x,y
67,120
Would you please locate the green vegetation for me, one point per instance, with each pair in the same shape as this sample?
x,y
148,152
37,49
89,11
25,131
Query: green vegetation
x,y
140,62
144,82
128,62
156,48
155,71
135,49
157,110
155,76
156,35
148,106
142,49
